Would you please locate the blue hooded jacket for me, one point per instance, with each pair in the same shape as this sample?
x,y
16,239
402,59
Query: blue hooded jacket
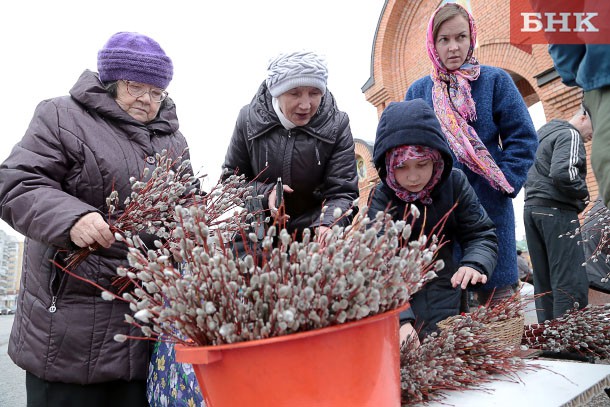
x,y
414,123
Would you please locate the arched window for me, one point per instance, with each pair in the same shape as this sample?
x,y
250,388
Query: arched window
x,y
361,166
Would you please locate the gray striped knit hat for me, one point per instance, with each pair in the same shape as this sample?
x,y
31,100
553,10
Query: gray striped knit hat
x,y
290,70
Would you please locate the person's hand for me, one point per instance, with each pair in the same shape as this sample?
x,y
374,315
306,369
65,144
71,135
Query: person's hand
x,y
175,251
321,236
465,275
91,229
407,331
271,199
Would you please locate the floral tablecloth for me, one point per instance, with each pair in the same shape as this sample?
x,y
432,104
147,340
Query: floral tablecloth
x,y
171,384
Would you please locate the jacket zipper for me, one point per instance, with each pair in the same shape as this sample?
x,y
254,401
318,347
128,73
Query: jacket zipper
x,y
284,155
53,308
55,293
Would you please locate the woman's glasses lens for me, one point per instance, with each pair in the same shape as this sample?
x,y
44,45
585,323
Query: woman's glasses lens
x,y
137,90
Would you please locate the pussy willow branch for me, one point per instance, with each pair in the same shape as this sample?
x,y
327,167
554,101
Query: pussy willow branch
x,y
151,202
585,331
466,355
596,222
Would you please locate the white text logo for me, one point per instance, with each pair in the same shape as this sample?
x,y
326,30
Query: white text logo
x,y
558,22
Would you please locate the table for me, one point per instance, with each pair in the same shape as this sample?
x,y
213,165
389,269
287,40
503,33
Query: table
x,y
557,383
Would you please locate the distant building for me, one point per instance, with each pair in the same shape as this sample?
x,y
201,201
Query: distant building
x,y
11,253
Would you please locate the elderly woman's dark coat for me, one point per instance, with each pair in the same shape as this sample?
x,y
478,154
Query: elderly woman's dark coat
x,y
316,160
467,225
76,150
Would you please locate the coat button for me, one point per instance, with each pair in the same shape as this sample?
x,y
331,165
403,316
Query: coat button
x,y
151,160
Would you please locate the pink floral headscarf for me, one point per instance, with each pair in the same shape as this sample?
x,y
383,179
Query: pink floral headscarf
x,y
398,155
455,110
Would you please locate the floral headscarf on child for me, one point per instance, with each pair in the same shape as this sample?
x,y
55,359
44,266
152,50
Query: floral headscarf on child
x,y
398,155
454,112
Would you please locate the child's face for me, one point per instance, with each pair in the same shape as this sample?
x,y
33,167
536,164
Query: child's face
x,y
414,175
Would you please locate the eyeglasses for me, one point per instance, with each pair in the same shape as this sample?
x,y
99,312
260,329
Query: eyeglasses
x,y
136,90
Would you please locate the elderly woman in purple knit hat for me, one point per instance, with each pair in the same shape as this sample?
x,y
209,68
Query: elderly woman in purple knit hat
x,y
53,190
292,130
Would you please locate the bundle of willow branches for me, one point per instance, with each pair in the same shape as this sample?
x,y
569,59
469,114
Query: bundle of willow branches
x,y
284,284
595,232
467,353
585,331
464,355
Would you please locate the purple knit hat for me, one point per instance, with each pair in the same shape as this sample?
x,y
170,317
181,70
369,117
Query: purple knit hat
x,y
134,57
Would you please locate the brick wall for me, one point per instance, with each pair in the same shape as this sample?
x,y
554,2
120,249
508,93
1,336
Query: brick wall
x,y
367,175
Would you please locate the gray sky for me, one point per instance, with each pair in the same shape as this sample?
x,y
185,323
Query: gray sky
x,y
219,49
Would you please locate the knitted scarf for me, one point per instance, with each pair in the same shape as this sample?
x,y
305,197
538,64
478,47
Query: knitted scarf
x,y
454,107
395,157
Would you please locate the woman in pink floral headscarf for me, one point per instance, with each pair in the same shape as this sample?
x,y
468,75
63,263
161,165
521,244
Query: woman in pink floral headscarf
x,y
486,123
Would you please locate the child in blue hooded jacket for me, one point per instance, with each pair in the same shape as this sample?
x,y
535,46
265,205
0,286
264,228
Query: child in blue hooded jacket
x,y
415,166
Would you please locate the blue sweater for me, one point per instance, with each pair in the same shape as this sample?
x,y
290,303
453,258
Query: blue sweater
x,y
505,127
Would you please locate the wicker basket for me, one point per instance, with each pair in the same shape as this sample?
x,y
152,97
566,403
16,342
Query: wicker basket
x,y
508,331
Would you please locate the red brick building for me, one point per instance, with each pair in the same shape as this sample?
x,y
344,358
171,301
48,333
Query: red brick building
x,y
367,175
399,58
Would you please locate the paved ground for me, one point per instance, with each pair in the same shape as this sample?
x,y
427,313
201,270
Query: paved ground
x,y
12,378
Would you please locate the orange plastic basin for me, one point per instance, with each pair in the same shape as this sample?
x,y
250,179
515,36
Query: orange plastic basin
x,y
356,364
